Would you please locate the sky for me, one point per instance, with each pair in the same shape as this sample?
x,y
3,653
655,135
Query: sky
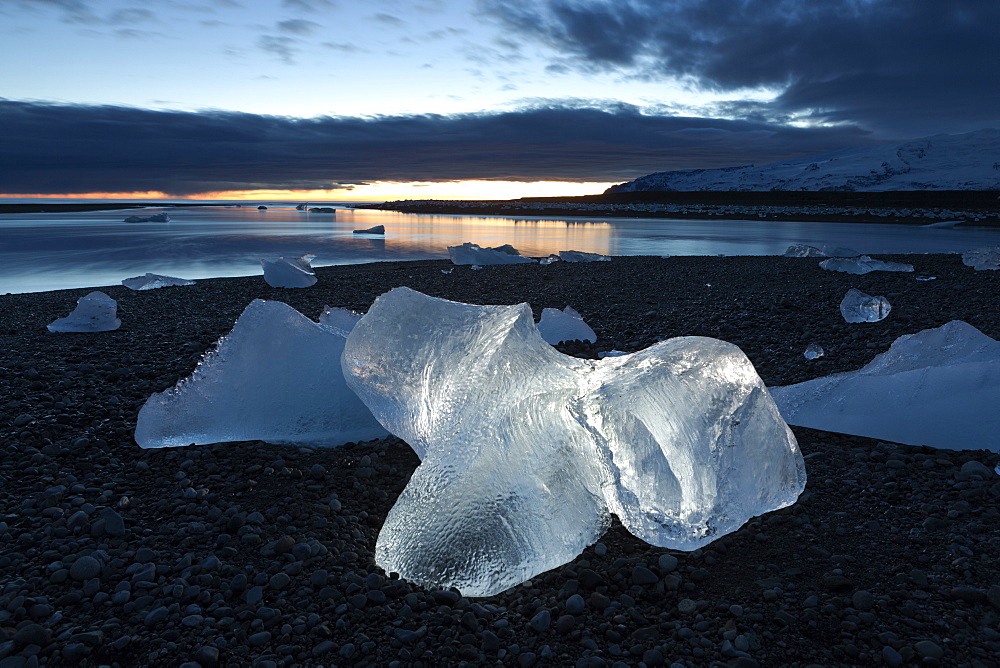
x,y
390,99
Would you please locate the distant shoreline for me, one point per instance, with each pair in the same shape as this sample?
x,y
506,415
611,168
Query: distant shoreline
x,y
65,207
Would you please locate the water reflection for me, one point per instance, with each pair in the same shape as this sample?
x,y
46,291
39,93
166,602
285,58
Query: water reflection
x,y
50,251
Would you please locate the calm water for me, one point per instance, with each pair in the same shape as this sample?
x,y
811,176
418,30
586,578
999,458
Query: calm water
x,y
52,251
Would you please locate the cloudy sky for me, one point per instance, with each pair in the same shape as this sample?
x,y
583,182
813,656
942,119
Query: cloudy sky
x,y
414,98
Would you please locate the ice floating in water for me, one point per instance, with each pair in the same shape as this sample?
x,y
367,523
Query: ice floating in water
x,y
339,318
862,265
526,451
378,229
860,307
275,377
557,326
814,351
470,253
289,272
982,258
802,250
95,312
938,387
154,281
155,218
580,256
322,209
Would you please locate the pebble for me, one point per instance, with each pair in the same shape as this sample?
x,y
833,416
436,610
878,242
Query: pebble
x,y
85,568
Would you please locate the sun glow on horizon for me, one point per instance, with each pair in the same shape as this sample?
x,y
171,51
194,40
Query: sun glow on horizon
x,y
379,191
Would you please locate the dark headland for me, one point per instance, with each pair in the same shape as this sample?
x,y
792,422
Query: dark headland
x,y
976,207
253,554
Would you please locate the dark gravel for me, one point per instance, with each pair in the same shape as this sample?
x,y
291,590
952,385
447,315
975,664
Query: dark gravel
x,y
255,554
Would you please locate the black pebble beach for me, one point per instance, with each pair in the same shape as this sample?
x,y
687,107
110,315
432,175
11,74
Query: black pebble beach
x,y
242,554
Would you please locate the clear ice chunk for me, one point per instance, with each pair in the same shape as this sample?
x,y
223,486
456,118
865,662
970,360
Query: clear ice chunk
x,y
470,253
339,318
581,256
982,258
155,218
549,260
862,265
154,281
526,451
814,351
378,229
938,387
802,250
860,307
95,312
557,326
275,377
286,272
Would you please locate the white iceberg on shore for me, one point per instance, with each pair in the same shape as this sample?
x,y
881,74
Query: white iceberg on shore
x,y
581,256
153,282
938,387
95,312
802,250
557,326
527,451
862,265
470,253
860,307
289,272
980,259
275,377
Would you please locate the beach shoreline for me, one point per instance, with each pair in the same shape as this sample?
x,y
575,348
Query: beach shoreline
x,y
888,556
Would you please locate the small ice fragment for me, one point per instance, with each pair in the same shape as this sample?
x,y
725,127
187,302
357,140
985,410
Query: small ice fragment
x,y
862,265
470,253
275,377
447,271
945,224
378,229
802,250
557,326
611,353
814,351
322,209
95,312
262,208
475,267
926,278
155,218
339,318
549,260
302,207
860,307
581,256
984,258
289,272
154,281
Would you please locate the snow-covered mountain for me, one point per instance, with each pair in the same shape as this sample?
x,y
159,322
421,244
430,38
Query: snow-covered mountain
x,y
968,161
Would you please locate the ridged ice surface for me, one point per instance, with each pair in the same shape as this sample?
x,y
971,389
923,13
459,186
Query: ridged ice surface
x,y
938,387
95,312
275,377
858,306
526,451
289,272
862,265
153,282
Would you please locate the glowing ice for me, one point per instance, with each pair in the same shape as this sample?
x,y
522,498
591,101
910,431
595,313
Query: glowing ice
x,y
95,312
814,351
938,387
862,265
289,272
470,253
275,377
556,326
982,258
526,451
860,307
581,256
378,229
154,281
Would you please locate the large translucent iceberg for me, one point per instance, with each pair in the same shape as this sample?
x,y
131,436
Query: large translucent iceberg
x,y
296,272
527,451
557,326
95,312
470,253
154,281
275,377
938,387
987,257
862,265
581,256
858,306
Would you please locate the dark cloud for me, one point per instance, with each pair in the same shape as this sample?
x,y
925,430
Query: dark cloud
x,y
65,149
309,5
900,67
298,26
284,48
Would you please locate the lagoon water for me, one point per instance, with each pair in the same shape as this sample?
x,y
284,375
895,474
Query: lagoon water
x,y
46,251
